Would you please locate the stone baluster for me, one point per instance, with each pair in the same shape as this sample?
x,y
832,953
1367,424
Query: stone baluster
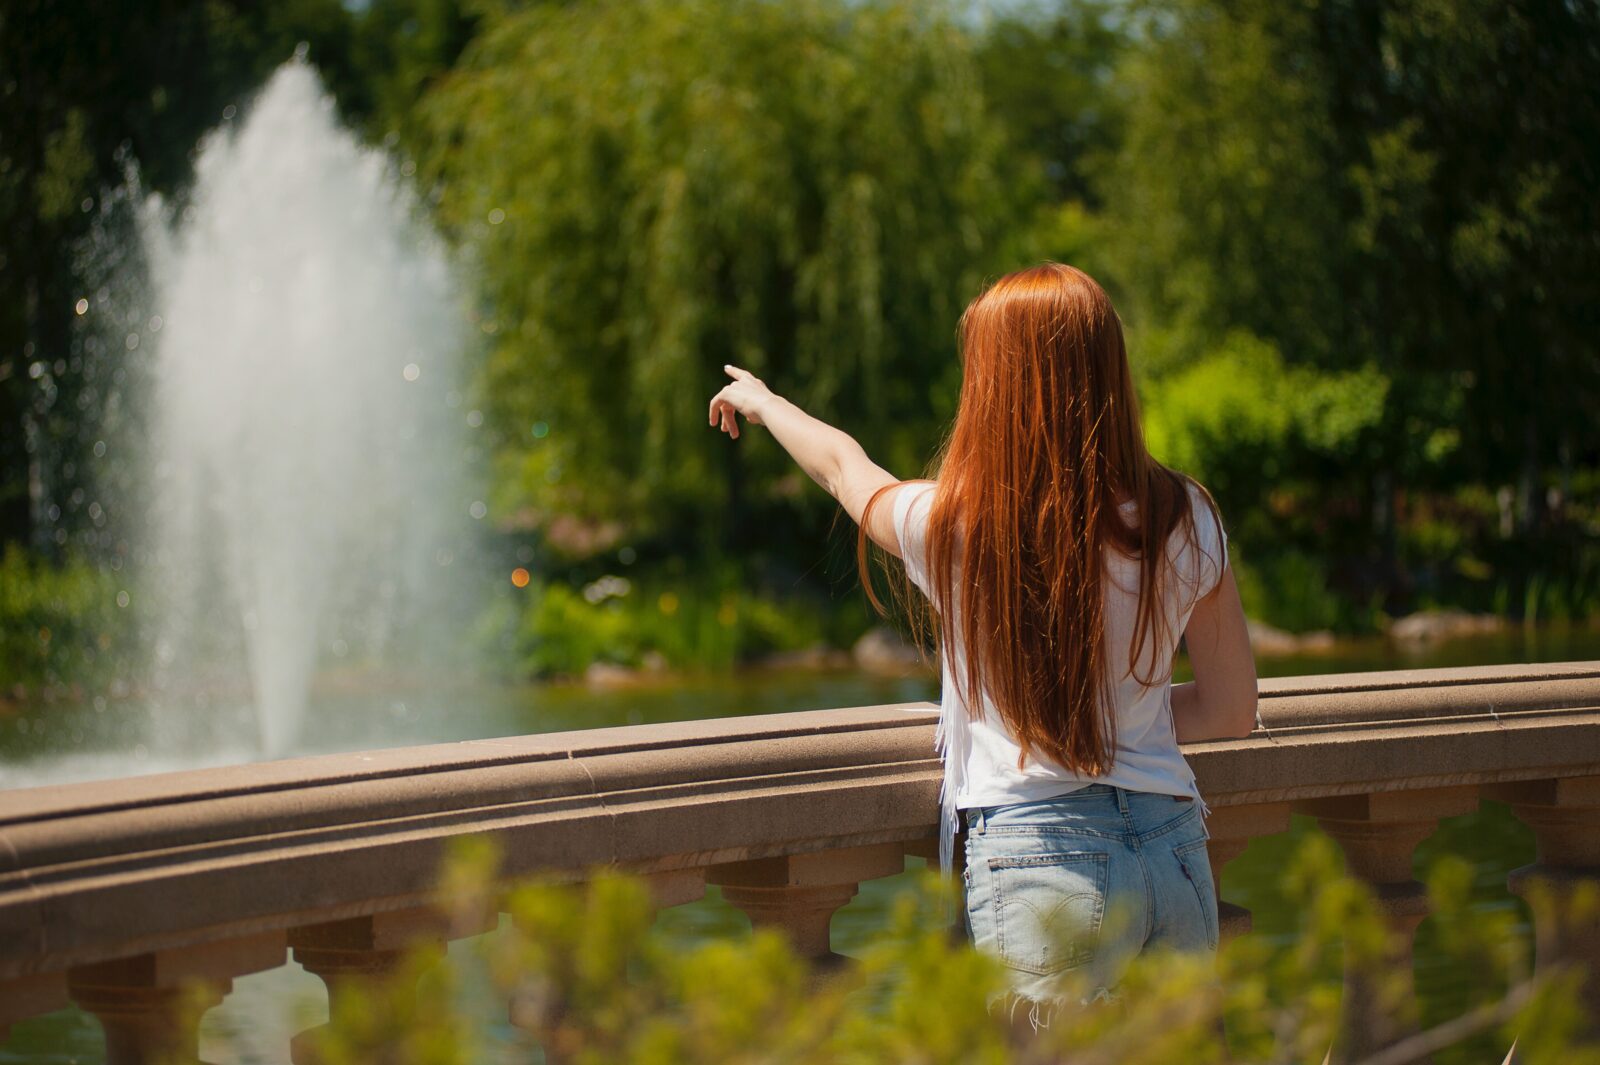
x,y
1379,834
798,894
1232,828
147,1004
22,997
676,887
364,951
1562,886
929,849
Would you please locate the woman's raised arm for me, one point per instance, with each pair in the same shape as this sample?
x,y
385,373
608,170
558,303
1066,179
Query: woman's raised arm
x,y
829,456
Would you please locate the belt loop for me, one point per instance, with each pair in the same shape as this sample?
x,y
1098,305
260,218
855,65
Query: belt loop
x,y
976,822
1122,799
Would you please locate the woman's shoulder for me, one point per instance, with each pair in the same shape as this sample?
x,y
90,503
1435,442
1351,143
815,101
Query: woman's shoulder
x,y
912,507
1204,510
1198,492
1204,553
918,494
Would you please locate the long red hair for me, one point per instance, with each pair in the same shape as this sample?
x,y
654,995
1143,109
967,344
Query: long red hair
x,y
1046,444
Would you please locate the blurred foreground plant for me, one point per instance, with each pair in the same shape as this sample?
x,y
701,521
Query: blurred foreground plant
x,y
591,979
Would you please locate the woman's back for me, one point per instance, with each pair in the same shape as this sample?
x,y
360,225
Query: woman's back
x,y
1066,872
984,762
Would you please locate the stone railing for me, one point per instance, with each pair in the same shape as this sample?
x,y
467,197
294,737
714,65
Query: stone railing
x,y
115,894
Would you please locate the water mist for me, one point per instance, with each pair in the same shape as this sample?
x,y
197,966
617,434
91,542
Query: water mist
x,y
307,496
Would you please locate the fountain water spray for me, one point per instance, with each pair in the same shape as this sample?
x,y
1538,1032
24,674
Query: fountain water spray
x,y
306,422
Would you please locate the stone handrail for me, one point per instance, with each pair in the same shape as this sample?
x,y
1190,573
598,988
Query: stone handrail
x,y
113,892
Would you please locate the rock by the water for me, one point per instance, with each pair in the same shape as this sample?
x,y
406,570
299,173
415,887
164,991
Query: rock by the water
x,y
609,675
1269,641
885,651
1319,641
817,656
1430,625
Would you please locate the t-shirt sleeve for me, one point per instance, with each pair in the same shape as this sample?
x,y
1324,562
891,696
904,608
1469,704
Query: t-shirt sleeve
x,y
1212,538
913,503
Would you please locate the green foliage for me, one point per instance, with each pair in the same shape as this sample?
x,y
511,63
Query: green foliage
x,y
710,621
1242,420
400,49
1045,69
811,190
1314,173
1217,185
1290,589
592,980
1354,249
59,624
1276,443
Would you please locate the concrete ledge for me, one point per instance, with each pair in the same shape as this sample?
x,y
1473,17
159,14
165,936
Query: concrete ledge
x,y
98,871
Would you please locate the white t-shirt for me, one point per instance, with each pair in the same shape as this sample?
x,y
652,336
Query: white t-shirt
x,y
980,754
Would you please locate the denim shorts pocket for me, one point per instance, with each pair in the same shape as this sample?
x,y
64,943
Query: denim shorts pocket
x,y
1196,864
1048,908
1189,821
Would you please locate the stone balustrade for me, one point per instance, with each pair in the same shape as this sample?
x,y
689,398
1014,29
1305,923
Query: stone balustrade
x,y
117,894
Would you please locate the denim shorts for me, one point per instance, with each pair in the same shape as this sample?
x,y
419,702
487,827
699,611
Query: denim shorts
x,y
1086,881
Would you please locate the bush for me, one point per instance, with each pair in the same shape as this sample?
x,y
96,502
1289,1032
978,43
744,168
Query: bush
x,y
60,624
687,623
1291,590
595,980
1243,420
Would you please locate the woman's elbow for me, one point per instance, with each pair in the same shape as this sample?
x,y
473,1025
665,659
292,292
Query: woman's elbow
x,y
1244,715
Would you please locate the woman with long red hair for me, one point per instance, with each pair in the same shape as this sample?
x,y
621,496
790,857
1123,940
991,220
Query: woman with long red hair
x,y
1062,563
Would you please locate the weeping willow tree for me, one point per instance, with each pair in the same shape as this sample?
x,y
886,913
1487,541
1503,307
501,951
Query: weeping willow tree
x,y
808,189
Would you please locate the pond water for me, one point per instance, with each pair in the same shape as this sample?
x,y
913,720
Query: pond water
x,y
48,744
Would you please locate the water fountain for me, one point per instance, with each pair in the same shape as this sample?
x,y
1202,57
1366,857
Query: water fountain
x,y
306,489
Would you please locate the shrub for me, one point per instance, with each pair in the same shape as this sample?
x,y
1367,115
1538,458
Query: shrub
x,y
701,623
596,981
59,623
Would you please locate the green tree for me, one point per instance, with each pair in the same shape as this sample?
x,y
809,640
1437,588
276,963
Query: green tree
x,y
1047,71
399,49
1402,185
1218,190
812,190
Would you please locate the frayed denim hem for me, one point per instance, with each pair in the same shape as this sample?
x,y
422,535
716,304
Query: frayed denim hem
x,y
1043,1011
